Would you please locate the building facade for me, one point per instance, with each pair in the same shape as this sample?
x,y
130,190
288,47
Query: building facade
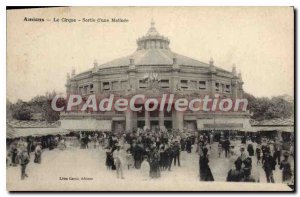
x,y
154,69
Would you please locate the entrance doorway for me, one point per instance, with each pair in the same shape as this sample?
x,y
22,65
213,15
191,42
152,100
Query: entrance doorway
x,y
168,124
141,124
191,125
118,126
154,124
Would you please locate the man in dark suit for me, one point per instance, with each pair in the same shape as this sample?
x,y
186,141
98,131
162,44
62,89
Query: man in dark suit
x,y
176,151
226,146
268,166
277,152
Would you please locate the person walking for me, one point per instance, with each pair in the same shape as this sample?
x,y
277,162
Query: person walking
x,y
24,160
220,149
285,166
237,174
258,154
205,172
247,175
250,149
145,168
277,152
188,145
154,164
109,159
14,155
38,154
226,147
269,166
119,161
176,152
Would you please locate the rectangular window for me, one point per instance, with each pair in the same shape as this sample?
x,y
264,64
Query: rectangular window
x,y
217,87
106,86
184,84
202,85
142,84
164,83
91,88
228,89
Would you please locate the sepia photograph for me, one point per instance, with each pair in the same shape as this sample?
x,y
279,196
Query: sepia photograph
x,y
150,99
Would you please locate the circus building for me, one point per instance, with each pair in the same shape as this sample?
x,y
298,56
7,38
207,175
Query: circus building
x,y
153,70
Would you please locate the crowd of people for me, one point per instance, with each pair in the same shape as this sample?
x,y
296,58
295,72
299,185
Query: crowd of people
x,y
20,150
154,151
150,151
267,152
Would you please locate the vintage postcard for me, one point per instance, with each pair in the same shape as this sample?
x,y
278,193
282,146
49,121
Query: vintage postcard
x,y
150,99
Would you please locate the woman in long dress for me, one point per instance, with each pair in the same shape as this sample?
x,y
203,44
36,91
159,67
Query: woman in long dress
x,y
109,159
145,168
205,172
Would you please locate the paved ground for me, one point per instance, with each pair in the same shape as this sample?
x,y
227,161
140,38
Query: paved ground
x,y
90,163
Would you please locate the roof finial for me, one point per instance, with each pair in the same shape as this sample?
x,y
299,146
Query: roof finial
x,y
152,30
95,63
234,69
152,23
73,72
240,75
211,61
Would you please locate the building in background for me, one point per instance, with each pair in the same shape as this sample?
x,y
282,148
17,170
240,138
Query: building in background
x,y
154,69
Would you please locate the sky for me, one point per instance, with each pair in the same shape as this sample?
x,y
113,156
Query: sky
x,y
258,40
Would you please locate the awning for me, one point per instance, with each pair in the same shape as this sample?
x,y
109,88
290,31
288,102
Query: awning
x,y
273,128
228,129
23,132
219,125
86,125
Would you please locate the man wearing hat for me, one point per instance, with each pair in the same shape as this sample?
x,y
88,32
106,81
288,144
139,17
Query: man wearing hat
x,y
243,155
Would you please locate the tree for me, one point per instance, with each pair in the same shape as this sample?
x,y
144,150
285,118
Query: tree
x,y
280,108
42,104
265,108
39,104
21,110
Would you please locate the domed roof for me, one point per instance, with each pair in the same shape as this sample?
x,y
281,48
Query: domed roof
x,y
153,57
153,49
